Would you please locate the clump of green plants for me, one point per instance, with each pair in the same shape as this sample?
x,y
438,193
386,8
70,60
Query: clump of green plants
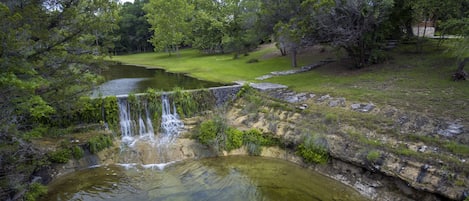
x,y
207,132
254,140
60,156
218,135
186,106
77,152
99,143
35,191
314,149
457,148
373,156
234,138
245,89
331,118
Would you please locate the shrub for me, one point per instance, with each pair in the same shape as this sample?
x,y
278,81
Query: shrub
x,y
35,191
60,156
253,140
313,150
77,152
99,143
207,132
234,139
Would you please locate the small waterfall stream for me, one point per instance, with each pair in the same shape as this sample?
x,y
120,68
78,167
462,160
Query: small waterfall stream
x,y
140,143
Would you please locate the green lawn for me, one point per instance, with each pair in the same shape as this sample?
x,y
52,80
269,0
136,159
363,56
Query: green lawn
x,y
218,68
417,82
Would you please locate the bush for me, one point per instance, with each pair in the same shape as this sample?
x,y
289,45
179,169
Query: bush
x,y
35,191
60,156
77,152
234,139
99,143
253,139
207,132
313,150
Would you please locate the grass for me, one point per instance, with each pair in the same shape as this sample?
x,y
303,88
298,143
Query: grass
x,y
409,81
220,67
417,82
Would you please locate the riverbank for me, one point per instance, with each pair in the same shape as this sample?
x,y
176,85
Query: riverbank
x,y
417,125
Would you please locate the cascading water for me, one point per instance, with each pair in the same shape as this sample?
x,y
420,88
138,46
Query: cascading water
x,y
139,144
134,128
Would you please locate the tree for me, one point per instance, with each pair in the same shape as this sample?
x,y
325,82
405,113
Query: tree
x,y
134,30
352,25
208,26
240,17
170,23
49,54
288,21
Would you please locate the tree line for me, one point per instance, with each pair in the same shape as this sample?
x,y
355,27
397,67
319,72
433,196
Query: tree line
x,y
360,27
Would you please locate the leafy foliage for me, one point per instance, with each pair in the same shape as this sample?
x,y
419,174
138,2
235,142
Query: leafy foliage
x,y
313,150
208,132
35,191
99,143
234,138
60,156
169,21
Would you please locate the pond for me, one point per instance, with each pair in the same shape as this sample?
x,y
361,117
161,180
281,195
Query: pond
x,y
125,79
221,178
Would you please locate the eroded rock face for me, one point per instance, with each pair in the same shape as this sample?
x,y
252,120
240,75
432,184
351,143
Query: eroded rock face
x,y
421,172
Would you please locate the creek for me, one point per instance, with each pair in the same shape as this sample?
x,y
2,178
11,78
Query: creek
x,y
126,79
221,178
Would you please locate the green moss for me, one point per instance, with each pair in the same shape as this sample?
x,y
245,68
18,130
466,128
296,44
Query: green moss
x,y
35,191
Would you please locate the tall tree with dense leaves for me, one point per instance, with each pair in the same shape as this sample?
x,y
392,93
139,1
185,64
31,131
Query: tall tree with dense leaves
x,y
352,25
208,25
49,54
134,30
170,23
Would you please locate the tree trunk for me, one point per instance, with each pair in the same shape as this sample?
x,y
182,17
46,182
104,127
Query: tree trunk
x,y
293,57
460,73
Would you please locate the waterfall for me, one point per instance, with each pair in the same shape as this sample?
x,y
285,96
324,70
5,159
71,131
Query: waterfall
x,y
133,125
170,123
139,140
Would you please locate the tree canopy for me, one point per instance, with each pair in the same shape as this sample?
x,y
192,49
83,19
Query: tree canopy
x,y
49,55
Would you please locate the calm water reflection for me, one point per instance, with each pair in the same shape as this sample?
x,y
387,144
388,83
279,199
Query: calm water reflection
x,y
225,178
125,79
